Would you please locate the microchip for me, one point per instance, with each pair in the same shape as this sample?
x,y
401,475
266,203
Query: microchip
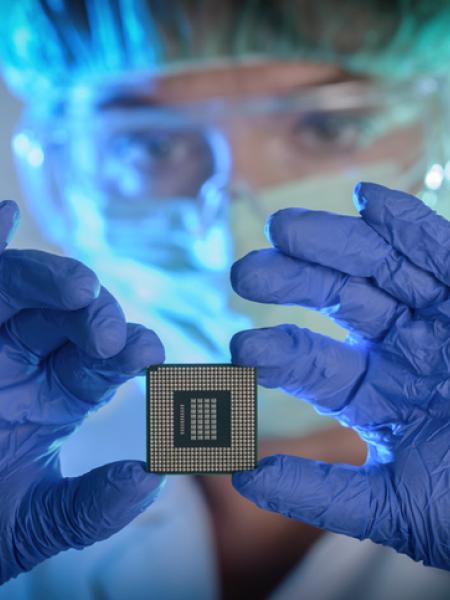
x,y
201,418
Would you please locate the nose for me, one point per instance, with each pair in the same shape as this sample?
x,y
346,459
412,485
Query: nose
x,y
247,151
261,155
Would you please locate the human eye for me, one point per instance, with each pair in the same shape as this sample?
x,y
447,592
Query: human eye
x,y
151,150
157,161
331,131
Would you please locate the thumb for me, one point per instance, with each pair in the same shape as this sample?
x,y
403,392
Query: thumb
x,y
332,497
78,511
9,221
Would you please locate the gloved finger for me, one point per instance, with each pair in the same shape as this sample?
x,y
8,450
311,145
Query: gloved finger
x,y
98,329
354,302
305,364
9,221
424,345
35,279
337,498
349,245
76,512
85,383
438,311
408,225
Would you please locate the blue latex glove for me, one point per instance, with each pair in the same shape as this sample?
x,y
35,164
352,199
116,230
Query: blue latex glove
x,y
64,349
385,277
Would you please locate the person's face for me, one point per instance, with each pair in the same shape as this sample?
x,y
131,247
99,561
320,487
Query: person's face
x,y
279,122
159,159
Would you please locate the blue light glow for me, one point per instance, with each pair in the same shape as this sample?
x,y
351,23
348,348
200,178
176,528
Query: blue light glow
x,y
28,149
21,143
328,311
35,157
22,39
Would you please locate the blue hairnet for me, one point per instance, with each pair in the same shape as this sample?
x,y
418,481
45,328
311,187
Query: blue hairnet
x,y
48,45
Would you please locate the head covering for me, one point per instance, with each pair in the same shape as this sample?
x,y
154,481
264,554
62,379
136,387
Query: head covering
x,y
49,45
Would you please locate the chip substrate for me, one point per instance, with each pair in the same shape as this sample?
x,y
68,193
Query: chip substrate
x,y
201,418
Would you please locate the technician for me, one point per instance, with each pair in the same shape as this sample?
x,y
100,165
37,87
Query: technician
x,y
160,136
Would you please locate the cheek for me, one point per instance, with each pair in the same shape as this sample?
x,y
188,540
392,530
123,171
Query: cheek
x,y
267,152
403,147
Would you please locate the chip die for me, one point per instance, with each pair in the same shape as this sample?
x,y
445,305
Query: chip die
x,y
201,418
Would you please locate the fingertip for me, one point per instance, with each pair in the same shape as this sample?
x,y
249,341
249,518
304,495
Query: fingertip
x,y
359,200
9,221
9,210
143,349
110,337
80,285
372,199
283,228
268,227
273,224
82,291
108,326
381,206
234,275
8,205
136,487
257,347
148,486
242,346
148,482
241,479
366,194
153,351
233,346
244,275
248,483
115,494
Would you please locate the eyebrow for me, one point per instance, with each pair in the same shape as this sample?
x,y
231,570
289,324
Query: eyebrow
x,y
141,99
128,101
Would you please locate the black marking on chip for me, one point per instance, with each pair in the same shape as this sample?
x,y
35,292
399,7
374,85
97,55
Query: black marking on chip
x,y
201,418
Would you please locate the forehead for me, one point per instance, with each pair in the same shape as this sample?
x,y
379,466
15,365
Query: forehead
x,y
232,81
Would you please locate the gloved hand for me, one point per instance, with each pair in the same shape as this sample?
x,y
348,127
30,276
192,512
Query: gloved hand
x,y
64,349
385,277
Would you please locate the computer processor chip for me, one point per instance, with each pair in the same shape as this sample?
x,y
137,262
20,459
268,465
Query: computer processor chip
x,y
201,418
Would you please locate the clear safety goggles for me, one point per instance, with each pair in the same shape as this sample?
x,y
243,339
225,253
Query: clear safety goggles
x,y
130,155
